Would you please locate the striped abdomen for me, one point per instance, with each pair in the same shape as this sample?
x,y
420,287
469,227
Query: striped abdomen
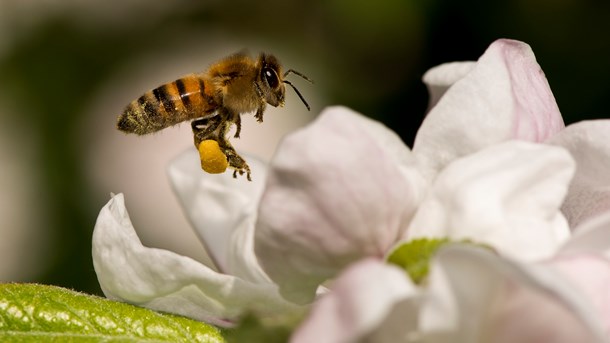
x,y
172,103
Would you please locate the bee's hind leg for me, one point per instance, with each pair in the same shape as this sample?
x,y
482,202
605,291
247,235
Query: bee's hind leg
x,y
205,128
215,128
236,162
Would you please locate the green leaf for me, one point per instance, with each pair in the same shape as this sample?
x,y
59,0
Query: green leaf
x,y
39,313
253,329
414,256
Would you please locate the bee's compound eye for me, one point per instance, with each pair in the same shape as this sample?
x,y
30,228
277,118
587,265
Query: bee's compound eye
x,y
271,77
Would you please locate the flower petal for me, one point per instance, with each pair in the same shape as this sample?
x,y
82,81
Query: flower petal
x,y
494,300
505,96
589,193
591,274
441,77
585,260
338,190
590,236
223,211
165,281
360,301
507,196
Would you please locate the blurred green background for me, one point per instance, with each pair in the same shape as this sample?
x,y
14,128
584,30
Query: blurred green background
x,y
67,68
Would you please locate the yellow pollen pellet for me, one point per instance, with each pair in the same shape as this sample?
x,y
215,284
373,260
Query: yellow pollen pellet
x,y
213,160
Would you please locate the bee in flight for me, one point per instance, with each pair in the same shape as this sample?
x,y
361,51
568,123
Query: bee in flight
x,y
214,100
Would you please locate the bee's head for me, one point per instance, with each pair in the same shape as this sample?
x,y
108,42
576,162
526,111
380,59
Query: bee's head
x,y
271,81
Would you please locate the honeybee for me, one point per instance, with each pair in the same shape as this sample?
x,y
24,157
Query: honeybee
x,y
214,100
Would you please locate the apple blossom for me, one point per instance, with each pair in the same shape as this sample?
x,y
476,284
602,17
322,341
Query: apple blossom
x,y
344,188
509,195
491,163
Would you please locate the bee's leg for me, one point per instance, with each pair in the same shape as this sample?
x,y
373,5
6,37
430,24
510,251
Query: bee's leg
x,y
260,111
261,104
237,121
227,119
205,128
224,128
235,161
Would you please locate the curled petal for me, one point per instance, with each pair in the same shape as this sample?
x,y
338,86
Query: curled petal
x,y
488,299
441,77
223,211
165,281
358,305
338,190
589,193
507,196
505,96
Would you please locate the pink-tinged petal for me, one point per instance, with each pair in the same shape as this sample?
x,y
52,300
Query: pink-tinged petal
x,y
495,300
589,193
165,281
591,274
222,210
440,78
359,304
338,190
505,96
507,196
591,236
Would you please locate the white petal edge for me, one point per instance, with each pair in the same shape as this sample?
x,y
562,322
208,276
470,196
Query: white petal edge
x,y
223,210
164,281
358,304
480,286
507,196
438,79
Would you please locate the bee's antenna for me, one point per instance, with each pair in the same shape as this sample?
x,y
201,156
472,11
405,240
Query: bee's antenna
x,y
297,73
293,87
298,93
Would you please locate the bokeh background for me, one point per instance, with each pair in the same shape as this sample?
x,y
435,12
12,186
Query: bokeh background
x,y
68,68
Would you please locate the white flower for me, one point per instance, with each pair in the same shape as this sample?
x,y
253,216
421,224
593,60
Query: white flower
x,y
514,196
346,188
492,163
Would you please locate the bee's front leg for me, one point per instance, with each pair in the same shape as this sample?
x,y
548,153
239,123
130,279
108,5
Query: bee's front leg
x,y
260,111
262,104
